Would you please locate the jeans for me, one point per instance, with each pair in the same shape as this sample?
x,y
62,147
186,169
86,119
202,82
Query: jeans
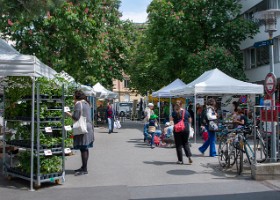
x,y
145,131
169,131
210,142
111,124
153,136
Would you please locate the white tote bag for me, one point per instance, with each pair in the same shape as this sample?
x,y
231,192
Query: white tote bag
x,y
80,126
191,131
117,124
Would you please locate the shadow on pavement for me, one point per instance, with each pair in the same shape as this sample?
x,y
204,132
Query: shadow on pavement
x,y
180,172
235,196
159,163
221,173
14,183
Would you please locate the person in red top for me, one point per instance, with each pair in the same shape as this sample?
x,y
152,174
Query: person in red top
x,y
110,117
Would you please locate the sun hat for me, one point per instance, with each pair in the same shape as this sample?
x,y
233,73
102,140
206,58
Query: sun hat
x,y
150,104
154,116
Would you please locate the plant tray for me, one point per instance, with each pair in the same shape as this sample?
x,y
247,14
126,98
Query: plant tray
x,y
27,175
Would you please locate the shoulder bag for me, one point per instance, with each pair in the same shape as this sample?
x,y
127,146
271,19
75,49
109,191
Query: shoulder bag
x,y
211,115
180,126
80,126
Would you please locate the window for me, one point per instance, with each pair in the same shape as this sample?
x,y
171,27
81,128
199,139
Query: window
x,y
126,83
262,55
256,57
253,58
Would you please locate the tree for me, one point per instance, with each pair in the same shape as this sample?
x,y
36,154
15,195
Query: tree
x,y
188,37
86,39
27,8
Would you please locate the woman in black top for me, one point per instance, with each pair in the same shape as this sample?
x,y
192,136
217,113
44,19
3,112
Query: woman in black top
x,y
182,138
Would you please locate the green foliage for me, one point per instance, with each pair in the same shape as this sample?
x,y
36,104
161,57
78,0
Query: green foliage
x,y
51,164
48,165
84,38
30,9
185,38
24,162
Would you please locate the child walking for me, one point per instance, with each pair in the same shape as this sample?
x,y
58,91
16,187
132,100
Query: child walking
x,y
152,128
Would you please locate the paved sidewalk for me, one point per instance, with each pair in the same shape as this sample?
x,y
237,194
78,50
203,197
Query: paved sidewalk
x,y
122,166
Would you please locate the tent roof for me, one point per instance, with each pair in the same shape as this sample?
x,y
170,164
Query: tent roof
x,y
102,92
86,89
165,91
5,48
216,82
12,63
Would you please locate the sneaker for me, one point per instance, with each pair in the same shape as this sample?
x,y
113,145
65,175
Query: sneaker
x,y
78,170
179,162
81,173
190,160
202,153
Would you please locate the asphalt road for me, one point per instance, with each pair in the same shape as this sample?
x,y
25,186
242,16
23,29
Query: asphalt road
x,y
121,167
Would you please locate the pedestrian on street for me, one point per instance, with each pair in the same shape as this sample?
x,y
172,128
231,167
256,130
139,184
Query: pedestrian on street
x,y
85,141
182,138
148,112
153,125
211,114
110,117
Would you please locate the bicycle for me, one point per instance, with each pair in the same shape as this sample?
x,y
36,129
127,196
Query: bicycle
x,y
226,150
242,145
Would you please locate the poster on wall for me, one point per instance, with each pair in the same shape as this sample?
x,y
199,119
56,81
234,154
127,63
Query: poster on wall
x,y
226,103
200,101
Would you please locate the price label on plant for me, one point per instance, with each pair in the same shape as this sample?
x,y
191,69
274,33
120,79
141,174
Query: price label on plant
x,y
66,109
48,129
67,128
47,152
67,150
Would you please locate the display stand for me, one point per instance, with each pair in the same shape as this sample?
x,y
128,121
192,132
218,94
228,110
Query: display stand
x,y
39,153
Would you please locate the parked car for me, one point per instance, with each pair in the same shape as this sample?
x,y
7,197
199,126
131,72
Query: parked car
x,y
124,108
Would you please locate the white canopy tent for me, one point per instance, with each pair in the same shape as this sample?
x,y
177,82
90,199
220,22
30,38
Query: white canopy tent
x,y
215,82
103,93
12,63
85,88
165,92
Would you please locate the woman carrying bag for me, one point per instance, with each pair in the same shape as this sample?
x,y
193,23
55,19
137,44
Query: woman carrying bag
x,y
83,133
209,120
182,137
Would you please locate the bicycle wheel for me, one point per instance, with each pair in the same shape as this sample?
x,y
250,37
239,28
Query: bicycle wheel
x,y
239,160
249,152
261,151
231,155
223,153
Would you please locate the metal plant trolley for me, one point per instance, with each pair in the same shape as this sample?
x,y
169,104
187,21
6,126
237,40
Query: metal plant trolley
x,y
37,150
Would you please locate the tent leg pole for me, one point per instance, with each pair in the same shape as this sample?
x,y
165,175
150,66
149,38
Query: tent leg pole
x,y
195,125
159,110
32,134
170,110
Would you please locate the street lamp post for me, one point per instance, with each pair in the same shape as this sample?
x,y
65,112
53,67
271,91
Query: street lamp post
x,y
269,17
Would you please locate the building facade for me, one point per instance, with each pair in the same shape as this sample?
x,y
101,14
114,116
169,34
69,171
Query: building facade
x,y
257,60
122,89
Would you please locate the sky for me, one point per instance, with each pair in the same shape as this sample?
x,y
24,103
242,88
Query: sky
x,y
134,10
